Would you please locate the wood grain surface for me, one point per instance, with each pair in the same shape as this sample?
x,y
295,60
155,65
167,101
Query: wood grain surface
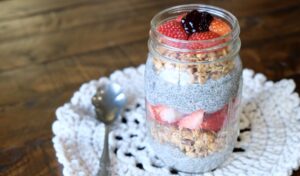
x,y
48,48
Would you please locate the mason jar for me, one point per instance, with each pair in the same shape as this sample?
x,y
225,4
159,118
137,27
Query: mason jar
x,y
193,94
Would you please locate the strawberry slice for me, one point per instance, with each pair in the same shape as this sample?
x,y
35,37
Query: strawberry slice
x,y
215,120
219,26
163,114
166,114
179,17
192,121
151,111
173,29
203,36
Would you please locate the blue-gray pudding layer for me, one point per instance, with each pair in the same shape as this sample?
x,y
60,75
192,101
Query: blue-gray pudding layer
x,y
186,98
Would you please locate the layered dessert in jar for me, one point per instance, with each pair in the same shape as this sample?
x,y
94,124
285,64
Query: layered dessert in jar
x,y
193,86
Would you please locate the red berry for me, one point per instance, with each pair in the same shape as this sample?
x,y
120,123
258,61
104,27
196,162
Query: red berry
x,y
196,21
173,29
203,36
215,120
178,19
151,111
198,36
192,121
219,26
163,114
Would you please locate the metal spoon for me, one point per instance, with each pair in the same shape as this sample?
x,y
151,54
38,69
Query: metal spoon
x,y
109,100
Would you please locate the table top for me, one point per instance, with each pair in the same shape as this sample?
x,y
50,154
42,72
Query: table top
x,y
48,48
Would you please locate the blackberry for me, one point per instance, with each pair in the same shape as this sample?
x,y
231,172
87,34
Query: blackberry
x,y
196,21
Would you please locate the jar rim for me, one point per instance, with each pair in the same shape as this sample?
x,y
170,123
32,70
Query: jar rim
x,y
229,17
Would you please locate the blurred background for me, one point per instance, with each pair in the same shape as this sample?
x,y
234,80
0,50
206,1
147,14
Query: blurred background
x,y
48,48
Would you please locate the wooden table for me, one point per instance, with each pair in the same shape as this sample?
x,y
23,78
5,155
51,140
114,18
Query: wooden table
x,y
48,48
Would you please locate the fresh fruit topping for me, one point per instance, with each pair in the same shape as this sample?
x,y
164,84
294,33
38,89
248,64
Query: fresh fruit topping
x,y
192,121
163,114
151,111
173,29
196,21
179,17
203,36
219,26
215,120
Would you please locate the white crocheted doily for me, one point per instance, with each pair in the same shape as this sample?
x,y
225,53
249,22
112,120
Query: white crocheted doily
x,y
269,141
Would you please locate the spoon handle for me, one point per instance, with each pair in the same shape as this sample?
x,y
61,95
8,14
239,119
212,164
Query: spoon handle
x,y
105,160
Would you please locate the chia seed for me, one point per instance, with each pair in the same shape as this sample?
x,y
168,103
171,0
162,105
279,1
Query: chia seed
x,y
187,98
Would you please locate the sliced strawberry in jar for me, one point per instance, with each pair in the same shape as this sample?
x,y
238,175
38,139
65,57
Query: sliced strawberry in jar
x,y
192,121
163,114
166,114
151,111
179,17
214,123
173,29
215,120
203,36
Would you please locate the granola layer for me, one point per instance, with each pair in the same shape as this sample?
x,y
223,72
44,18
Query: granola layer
x,y
194,143
200,72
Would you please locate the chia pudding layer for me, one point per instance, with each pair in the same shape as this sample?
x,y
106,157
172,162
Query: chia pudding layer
x,y
188,97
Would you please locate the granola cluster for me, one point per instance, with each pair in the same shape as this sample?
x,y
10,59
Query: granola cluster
x,y
194,143
200,72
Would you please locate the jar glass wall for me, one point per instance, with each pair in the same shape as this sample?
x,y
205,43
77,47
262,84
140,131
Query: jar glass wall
x,y
193,94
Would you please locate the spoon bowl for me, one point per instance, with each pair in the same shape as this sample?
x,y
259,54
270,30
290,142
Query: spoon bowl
x,y
108,101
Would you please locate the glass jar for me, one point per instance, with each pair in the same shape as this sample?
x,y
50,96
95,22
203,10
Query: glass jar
x,y
193,94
